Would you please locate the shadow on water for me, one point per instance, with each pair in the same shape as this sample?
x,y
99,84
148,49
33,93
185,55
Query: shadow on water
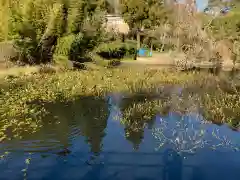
x,y
173,165
113,139
86,116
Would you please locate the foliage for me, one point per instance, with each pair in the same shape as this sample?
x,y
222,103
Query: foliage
x,y
21,115
143,13
117,49
35,30
63,46
22,111
227,28
85,42
37,27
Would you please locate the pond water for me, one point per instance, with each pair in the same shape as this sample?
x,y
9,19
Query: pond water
x,y
91,143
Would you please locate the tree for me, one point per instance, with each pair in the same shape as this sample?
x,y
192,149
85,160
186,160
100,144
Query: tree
x,y
143,13
37,25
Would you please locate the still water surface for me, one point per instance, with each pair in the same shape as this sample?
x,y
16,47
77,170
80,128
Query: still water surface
x,y
97,146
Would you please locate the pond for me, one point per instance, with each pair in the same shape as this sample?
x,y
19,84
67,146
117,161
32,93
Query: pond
x,y
90,142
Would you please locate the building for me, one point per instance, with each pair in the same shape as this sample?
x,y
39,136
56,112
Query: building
x,y
115,23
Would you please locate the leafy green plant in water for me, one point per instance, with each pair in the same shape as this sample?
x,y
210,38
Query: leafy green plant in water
x,y
4,156
22,111
27,164
221,107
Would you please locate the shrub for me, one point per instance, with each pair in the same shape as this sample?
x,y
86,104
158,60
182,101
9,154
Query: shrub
x,y
64,45
90,37
35,38
117,50
80,47
39,27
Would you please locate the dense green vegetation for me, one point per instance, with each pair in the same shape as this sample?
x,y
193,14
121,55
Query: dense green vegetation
x,y
144,14
57,30
47,31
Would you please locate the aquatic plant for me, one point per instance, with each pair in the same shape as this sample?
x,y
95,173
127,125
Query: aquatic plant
x,y
22,98
4,155
27,163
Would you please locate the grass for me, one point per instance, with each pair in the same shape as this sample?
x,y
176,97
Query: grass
x,y
23,98
18,71
128,59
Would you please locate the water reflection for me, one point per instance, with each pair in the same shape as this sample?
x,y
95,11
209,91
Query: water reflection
x,y
99,139
136,119
197,174
172,165
88,115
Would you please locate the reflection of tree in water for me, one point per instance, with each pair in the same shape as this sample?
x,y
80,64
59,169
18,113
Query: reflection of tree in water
x,y
92,116
173,165
89,114
135,137
138,113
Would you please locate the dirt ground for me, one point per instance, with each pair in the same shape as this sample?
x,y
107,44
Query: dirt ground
x,y
168,60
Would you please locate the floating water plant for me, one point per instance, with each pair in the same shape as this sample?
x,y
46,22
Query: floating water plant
x,y
23,98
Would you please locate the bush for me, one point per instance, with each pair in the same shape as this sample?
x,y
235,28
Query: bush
x,y
35,32
64,45
86,41
44,29
79,49
117,50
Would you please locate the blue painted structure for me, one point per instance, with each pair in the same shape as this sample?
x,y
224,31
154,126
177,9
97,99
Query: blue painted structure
x,y
144,52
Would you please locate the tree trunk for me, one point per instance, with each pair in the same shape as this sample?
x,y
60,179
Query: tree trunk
x,y
138,40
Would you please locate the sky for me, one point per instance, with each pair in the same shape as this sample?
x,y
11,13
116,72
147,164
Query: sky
x,y
201,4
